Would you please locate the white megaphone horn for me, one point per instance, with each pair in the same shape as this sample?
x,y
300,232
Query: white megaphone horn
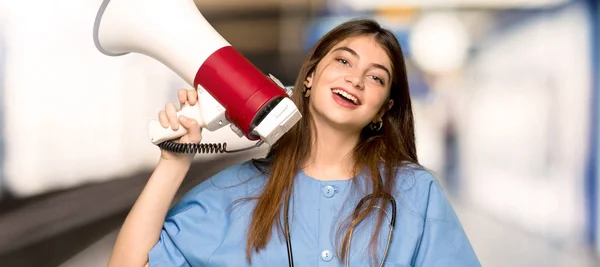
x,y
175,33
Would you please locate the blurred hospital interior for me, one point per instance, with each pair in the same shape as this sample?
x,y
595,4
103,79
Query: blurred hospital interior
x,y
506,99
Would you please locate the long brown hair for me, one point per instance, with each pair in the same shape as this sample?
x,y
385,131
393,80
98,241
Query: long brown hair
x,y
389,148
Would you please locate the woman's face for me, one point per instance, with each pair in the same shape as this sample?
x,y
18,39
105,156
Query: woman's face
x,y
350,85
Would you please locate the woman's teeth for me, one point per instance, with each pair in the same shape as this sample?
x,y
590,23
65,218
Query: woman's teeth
x,y
346,95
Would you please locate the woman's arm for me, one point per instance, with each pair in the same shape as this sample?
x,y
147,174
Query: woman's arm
x,y
142,227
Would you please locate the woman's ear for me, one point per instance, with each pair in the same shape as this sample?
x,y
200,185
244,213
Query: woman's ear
x,y
309,80
383,110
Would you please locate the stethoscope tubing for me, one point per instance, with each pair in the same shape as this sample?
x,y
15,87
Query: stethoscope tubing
x,y
355,214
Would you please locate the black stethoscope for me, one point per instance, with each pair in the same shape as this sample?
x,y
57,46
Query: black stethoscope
x,y
385,196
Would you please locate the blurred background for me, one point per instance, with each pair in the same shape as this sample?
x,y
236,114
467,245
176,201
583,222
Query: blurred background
x,y
506,97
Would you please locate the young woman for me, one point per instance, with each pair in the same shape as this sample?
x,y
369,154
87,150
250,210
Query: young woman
x,y
328,193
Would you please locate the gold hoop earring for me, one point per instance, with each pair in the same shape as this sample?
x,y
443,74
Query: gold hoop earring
x,y
376,126
307,91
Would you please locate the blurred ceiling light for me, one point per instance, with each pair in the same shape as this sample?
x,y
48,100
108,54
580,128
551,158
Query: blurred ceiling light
x,y
494,4
439,42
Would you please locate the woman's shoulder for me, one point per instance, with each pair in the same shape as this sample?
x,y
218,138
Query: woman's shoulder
x,y
421,192
413,178
237,181
229,178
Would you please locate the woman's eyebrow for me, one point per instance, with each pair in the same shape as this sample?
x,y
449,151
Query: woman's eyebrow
x,y
347,49
375,65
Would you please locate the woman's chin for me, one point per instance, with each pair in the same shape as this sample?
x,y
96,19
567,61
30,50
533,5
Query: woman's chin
x,y
337,120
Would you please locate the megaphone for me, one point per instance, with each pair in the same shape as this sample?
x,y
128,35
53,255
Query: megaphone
x,y
231,90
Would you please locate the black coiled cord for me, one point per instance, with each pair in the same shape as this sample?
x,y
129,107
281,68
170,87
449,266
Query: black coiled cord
x,y
191,148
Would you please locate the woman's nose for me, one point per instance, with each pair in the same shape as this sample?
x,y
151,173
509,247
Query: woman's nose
x,y
355,80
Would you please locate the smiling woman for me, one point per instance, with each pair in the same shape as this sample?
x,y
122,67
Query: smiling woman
x,y
332,187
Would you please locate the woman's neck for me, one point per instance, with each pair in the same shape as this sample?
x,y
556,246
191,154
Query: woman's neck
x,y
331,156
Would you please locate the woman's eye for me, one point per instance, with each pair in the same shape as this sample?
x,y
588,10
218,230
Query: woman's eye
x,y
377,79
342,60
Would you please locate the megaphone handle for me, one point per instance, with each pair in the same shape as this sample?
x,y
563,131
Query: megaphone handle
x,y
158,134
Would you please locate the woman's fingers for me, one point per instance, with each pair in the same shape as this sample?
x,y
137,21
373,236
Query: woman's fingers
x,y
182,96
162,118
172,116
168,117
189,96
192,97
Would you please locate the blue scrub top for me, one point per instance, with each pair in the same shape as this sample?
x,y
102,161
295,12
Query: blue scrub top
x,y
205,229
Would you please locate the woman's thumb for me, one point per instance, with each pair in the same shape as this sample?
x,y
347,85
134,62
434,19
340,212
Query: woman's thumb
x,y
192,127
187,122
